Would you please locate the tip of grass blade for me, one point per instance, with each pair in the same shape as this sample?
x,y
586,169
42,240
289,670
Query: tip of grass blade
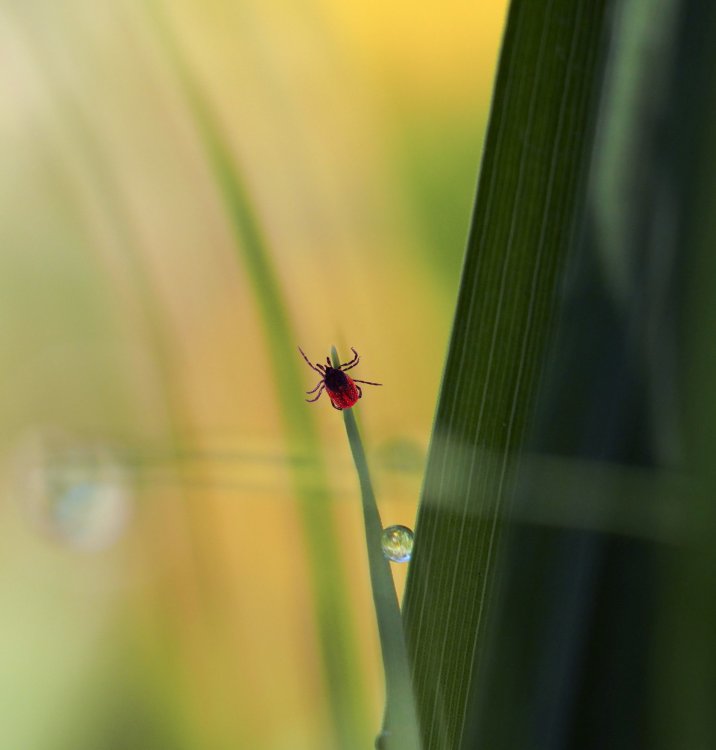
x,y
334,356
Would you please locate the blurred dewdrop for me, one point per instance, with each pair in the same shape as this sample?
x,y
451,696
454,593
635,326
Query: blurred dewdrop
x,y
397,543
401,455
75,491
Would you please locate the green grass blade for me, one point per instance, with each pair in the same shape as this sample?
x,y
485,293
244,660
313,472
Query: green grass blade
x,y
400,726
526,213
601,637
344,676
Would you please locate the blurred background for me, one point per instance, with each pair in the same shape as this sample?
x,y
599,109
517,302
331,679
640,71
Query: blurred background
x,y
189,190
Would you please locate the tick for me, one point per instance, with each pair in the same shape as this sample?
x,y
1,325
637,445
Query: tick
x,y
341,388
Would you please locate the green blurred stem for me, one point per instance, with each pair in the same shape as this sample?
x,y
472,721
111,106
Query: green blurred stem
x,y
345,685
400,724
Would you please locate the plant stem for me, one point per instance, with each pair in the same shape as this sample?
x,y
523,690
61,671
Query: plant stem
x,y
400,723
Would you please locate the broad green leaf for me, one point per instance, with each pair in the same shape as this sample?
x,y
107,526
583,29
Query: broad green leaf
x,y
602,634
526,215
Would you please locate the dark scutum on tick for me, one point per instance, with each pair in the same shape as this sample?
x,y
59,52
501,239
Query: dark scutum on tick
x,y
341,388
335,380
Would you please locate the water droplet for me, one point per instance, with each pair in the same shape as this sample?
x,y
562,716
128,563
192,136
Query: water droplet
x,y
397,543
73,490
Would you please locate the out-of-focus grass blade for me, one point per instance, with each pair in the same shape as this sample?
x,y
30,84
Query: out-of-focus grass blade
x,y
525,217
686,666
603,636
400,726
344,681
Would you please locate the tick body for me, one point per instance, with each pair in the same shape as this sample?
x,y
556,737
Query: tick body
x,y
341,388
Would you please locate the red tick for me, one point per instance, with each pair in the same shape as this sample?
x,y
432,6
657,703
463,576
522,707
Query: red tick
x,y
341,388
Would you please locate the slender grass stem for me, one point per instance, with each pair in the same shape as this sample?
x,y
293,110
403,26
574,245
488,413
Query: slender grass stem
x,y
400,723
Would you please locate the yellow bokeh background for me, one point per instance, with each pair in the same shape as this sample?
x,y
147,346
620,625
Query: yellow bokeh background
x,y
171,607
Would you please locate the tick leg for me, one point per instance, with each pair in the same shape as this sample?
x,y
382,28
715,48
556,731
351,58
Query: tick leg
x,y
318,395
336,407
308,362
352,363
320,383
360,390
367,382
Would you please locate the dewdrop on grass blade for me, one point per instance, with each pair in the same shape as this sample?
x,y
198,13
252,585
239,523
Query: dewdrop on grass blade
x,y
397,543
73,490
